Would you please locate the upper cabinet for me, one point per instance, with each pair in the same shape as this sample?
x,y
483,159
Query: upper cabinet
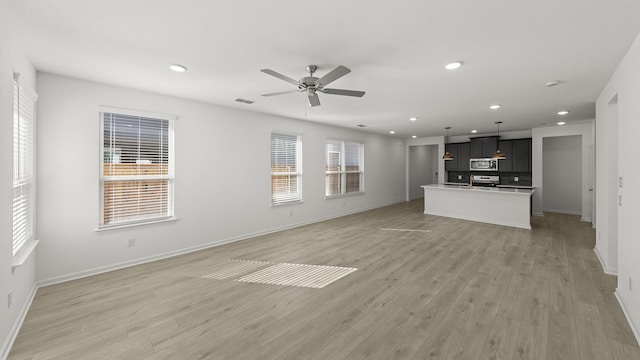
x,y
518,153
484,147
451,165
460,152
464,154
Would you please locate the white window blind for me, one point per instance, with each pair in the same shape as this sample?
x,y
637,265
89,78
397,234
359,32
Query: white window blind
x,y
23,179
344,170
286,169
137,172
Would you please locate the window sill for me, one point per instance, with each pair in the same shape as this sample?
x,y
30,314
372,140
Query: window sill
x,y
21,257
287,203
344,195
129,225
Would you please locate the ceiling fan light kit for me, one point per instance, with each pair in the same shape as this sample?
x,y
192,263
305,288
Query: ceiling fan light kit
x,y
311,84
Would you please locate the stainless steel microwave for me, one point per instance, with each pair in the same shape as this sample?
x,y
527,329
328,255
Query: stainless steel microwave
x,y
483,164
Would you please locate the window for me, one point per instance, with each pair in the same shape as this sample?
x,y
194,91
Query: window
x,y
137,172
286,169
343,172
23,180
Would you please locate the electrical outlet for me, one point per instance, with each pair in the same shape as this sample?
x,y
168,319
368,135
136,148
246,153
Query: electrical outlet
x,y
10,298
291,213
459,177
630,285
620,181
344,203
619,200
516,179
131,242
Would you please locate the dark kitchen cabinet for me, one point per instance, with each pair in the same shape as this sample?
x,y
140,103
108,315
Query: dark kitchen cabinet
x,y
506,147
483,147
460,152
463,156
518,153
522,155
451,165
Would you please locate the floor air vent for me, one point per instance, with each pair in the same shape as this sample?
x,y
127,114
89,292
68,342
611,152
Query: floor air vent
x,y
313,276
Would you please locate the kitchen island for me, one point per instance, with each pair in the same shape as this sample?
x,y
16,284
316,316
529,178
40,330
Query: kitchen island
x,y
494,205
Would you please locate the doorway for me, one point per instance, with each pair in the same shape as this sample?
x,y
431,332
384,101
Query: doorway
x,y
423,168
562,174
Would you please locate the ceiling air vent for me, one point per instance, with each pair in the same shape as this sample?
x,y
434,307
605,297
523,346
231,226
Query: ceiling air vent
x,y
361,125
240,100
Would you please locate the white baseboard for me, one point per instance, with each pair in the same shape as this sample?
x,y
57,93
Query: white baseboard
x,y
634,327
15,329
604,266
139,261
560,211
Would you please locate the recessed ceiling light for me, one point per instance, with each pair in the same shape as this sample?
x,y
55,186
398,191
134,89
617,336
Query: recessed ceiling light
x,y
495,106
474,131
413,136
392,132
178,67
563,112
552,83
454,65
561,122
413,118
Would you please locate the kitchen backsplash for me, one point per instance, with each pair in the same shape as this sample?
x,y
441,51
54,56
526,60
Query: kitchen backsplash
x,y
523,179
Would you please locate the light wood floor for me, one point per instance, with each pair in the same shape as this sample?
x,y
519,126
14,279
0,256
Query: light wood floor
x,y
463,290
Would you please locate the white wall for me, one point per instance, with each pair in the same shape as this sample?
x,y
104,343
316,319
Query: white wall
x,y
222,177
20,283
583,129
422,166
623,88
562,174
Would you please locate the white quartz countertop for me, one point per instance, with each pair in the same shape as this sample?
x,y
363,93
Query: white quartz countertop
x,y
500,190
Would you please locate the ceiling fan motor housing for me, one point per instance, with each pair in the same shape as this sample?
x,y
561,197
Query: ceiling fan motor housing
x,y
309,81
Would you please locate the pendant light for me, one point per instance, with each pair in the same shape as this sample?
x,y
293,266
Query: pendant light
x,y
447,155
498,154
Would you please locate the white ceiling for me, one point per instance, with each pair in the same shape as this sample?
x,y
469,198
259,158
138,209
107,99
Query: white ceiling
x,y
395,49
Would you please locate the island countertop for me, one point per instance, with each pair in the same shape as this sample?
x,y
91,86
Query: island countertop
x,y
501,190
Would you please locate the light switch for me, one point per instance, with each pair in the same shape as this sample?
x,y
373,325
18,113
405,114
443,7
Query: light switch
x,y
619,181
516,179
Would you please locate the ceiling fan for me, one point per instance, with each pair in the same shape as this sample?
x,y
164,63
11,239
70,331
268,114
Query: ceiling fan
x,y
312,85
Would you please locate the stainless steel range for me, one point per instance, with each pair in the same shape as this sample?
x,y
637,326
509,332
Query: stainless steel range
x,y
485,180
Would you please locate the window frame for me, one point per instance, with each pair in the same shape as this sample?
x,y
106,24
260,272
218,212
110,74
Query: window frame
x,y
298,173
170,176
23,167
343,168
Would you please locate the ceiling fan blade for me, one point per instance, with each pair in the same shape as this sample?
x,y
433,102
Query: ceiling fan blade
x,y
343,92
332,76
314,100
280,76
281,93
